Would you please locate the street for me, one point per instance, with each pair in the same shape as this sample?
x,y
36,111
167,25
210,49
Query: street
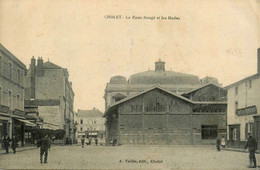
x,y
128,157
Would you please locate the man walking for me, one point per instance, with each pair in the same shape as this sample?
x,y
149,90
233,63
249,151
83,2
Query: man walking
x,y
251,144
14,144
6,143
45,145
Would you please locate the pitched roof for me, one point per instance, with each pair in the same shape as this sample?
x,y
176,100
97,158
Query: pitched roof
x,y
89,113
193,90
50,65
160,88
255,76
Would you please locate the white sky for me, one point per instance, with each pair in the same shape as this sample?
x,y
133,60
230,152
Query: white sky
x,y
212,38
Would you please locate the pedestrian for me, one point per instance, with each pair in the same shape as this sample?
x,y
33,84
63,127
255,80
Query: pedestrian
x,y
90,139
218,144
6,142
70,141
45,146
223,142
96,141
14,144
251,144
82,141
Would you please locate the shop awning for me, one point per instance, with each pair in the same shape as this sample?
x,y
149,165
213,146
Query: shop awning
x,y
4,118
27,123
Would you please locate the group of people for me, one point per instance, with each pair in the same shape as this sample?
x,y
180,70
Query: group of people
x,y
89,140
6,143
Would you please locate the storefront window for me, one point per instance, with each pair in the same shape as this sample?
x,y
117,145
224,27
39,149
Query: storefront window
x,y
209,131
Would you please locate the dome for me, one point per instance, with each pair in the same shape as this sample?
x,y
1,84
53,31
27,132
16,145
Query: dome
x,y
163,77
117,80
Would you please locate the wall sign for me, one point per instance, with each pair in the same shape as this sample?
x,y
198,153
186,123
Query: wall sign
x,y
246,111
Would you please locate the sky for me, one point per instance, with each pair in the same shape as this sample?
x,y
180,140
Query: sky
x,y
211,38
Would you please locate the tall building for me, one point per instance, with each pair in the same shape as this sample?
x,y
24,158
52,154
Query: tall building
x,y
12,74
118,87
90,123
243,116
48,87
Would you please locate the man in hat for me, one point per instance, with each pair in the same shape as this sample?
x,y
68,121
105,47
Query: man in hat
x,y
45,145
251,144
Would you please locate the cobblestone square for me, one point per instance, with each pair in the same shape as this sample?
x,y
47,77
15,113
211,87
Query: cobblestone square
x,y
128,157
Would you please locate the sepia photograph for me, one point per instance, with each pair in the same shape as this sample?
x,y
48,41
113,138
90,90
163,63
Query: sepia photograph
x,y
151,84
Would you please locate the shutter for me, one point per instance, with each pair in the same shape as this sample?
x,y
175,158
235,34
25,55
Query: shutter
x,y
246,131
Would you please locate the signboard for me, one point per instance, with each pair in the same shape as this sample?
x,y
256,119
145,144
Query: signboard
x,y
246,111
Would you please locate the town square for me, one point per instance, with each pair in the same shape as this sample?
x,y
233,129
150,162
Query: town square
x,y
129,85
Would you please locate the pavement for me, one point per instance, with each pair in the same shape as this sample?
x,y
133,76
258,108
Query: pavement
x,y
128,157
19,149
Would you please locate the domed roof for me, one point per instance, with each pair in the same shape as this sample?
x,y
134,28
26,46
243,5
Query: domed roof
x,y
117,80
163,77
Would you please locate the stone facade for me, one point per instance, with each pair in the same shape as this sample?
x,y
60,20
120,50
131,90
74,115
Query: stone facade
x,y
47,81
12,74
90,123
158,116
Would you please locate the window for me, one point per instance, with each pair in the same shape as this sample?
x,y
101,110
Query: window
x,y
10,99
209,131
249,127
10,70
95,122
236,90
236,106
81,121
18,102
18,77
81,128
234,134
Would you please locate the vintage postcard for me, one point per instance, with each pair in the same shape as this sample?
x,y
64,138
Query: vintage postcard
x,y
129,84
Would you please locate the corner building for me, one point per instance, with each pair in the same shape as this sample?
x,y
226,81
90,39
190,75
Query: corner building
x,y
243,115
48,88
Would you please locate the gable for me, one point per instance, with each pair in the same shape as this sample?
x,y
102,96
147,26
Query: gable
x,y
155,101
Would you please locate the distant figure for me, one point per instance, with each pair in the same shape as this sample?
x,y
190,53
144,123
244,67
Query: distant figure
x,y
82,141
96,141
223,142
218,144
6,142
45,144
90,139
70,141
251,144
114,141
14,144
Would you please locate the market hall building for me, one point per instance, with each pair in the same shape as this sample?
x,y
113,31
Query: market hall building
x,y
158,117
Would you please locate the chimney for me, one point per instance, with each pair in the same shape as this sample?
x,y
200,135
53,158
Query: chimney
x,y
33,72
258,61
40,71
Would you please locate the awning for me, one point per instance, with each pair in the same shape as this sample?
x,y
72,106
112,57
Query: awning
x,y
4,118
27,123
